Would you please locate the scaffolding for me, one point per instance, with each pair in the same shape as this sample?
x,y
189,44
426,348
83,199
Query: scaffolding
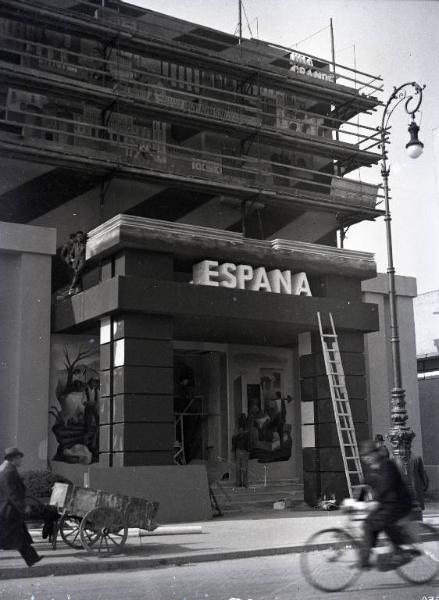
x,y
122,76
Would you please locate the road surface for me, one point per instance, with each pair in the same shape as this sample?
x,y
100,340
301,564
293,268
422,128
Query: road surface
x,y
266,578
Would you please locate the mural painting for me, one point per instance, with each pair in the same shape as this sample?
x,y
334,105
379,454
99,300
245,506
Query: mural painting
x,y
270,434
74,410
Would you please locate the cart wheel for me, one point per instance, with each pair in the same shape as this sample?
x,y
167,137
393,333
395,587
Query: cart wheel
x,y
103,530
69,530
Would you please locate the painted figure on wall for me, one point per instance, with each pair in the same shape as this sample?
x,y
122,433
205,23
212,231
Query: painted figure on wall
x,y
270,434
76,426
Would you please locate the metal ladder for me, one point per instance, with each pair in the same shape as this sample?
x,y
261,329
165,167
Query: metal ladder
x,y
341,406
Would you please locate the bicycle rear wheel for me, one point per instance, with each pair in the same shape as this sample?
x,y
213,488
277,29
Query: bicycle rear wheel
x,y
424,567
332,561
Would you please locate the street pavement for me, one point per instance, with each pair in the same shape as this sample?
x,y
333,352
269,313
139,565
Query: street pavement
x,y
259,578
257,534
260,533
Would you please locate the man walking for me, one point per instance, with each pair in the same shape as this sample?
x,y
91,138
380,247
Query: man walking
x,y
241,448
13,531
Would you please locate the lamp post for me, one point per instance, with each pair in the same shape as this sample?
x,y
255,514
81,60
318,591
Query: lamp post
x,y
400,433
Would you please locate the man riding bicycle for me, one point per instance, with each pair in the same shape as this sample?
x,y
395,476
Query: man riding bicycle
x,y
394,502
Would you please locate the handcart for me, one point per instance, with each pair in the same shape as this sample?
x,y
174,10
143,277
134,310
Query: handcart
x,y
98,521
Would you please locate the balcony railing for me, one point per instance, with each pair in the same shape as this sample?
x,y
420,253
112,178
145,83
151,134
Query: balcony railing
x,y
120,150
122,79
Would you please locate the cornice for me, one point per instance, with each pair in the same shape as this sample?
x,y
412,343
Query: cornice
x,y
196,243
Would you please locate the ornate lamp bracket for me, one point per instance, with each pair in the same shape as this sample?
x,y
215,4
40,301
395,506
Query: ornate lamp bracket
x,y
400,94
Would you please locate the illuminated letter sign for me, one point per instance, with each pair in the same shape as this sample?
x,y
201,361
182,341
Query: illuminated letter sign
x,y
245,277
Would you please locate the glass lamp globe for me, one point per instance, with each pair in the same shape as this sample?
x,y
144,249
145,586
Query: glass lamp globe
x,y
414,146
415,150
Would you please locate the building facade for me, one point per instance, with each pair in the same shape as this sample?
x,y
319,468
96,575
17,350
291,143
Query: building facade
x,y
427,350
379,356
211,176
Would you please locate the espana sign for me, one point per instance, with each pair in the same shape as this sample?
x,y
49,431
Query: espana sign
x,y
246,277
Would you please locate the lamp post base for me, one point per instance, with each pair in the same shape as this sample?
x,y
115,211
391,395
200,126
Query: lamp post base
x,y
401,440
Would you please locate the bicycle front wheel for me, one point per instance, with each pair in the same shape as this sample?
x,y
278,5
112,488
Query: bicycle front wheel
x,y
425,566
332,561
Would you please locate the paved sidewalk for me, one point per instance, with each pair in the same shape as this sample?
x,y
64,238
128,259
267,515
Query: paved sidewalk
x,y
260,533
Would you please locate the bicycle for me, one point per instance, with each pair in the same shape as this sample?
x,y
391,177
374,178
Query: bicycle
x,y
333,561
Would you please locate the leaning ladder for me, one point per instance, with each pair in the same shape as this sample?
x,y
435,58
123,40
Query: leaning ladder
x,y
341,406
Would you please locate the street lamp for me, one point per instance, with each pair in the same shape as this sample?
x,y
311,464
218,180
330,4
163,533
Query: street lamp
x,y
400,434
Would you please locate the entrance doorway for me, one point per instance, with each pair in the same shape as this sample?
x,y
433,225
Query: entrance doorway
x,y
200,406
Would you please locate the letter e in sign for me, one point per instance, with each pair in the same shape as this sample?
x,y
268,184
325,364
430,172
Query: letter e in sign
x,y
205,273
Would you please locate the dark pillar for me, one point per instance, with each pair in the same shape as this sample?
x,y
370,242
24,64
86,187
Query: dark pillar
x,y
323,470
323,464
137,416
137,405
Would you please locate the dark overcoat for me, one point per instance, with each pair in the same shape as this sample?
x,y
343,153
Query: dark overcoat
x,y
13,530
420,479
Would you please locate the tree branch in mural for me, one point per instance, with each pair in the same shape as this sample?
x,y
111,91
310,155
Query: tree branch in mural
x,y
76,425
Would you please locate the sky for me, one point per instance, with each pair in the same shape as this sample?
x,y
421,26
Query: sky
x,y
396,39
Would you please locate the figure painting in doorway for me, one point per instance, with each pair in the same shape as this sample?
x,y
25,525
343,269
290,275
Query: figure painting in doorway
x,y
270,434
76,425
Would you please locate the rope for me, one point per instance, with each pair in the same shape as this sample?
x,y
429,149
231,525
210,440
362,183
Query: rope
x,y
310,36
246,18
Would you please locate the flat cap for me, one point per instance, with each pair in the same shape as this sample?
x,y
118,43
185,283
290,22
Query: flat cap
x,y
368,447
12,451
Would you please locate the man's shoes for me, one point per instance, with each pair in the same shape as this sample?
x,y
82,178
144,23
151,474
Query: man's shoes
x,y
47,530
362,564
403,560
34,561
402,557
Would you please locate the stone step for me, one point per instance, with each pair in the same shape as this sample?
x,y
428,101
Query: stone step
x,y
260,491
269,485
243,507
247,499
232,498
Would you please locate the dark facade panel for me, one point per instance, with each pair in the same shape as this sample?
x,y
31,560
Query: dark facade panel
x,y
318,388
214,305
314,364
143,327
136,408
138,380
142,437
325,411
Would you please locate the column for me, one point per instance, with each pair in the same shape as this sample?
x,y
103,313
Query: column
x,y
137,413
322,459
25,293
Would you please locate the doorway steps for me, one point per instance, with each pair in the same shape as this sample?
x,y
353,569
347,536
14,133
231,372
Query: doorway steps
x,y
258,495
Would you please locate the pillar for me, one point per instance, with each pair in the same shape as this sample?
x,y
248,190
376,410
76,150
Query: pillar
x,y
137,413
25,294
323,470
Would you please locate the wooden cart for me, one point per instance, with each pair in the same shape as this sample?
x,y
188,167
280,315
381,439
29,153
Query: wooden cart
x,y
98,521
